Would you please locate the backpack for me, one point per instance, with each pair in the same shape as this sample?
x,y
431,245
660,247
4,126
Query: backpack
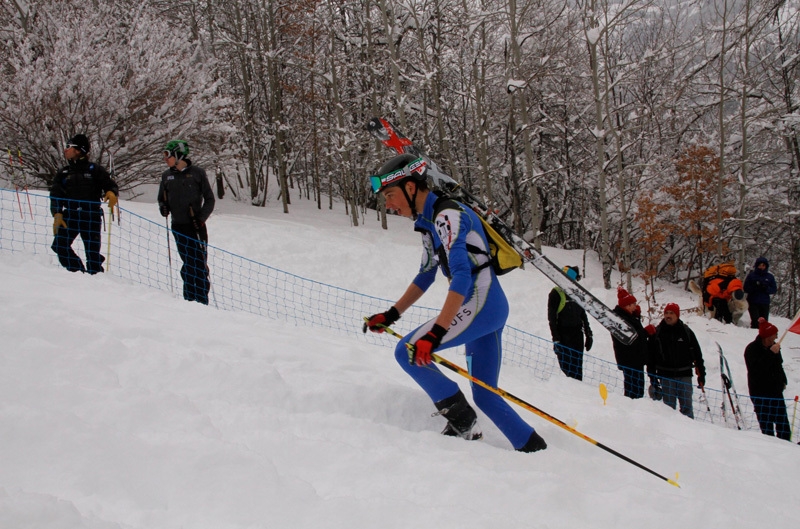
x,y
503,258
725,271
563,299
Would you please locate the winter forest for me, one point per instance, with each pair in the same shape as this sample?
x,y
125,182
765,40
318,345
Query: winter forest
x,y
662,134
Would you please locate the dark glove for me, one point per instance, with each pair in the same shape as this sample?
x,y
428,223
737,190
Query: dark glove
x,y
163,208
420,354
701,378
589,342
650,330
654,390
384,318
202,230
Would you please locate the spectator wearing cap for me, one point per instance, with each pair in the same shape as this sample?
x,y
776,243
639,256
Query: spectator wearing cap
x,y
766,381
673,353
631,358
759,285
75,205
568,327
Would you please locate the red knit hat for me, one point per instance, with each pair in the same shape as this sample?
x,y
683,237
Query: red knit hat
x,y
673,307
624,298
766,329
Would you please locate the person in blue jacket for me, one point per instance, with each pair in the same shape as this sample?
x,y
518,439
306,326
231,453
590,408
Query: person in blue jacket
x,y
759,286
474,312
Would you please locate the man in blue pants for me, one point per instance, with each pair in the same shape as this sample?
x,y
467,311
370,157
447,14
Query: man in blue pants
x,y
75,205
474,312
186,194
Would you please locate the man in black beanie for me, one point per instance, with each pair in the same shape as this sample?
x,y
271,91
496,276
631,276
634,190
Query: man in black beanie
x,y
75,204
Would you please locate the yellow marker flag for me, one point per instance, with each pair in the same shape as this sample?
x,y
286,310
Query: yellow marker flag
x,y
603,393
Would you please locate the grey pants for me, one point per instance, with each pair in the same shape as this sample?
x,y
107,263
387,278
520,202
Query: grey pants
x,y
679,389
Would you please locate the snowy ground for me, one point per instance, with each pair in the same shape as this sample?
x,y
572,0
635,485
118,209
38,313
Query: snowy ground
x,y
126,407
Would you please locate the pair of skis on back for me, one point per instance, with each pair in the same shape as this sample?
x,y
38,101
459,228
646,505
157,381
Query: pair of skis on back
x,y
384,131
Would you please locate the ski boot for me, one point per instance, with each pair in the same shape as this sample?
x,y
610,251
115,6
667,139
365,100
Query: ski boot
x,y
534,444
462,421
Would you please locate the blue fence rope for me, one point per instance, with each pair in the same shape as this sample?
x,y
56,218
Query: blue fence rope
x,y
139,254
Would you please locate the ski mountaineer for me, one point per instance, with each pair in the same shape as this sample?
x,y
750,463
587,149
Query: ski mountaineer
x,y
474,312
75,205
186,193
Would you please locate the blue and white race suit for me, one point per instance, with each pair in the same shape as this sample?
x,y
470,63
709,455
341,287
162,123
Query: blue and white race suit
x,y
479,323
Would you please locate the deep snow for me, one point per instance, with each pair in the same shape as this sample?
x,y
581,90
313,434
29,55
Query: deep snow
x,y
126,407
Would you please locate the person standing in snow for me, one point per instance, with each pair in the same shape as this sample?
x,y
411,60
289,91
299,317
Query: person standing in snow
x,y
568,325
631,358
474,312
759,285
186,194
75,205
766,381
674,353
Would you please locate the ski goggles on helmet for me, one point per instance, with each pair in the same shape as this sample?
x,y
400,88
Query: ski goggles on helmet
x,y
415,169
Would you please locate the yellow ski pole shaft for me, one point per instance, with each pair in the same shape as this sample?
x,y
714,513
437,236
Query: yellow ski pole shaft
x,y
530,407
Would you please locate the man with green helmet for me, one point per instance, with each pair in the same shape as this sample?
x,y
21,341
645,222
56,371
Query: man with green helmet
x,y
186,194
473,314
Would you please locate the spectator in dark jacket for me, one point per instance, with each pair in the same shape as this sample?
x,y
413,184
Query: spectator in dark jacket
x,y
75,205
759,286
673,353
766,381
186,193
632,358
568,326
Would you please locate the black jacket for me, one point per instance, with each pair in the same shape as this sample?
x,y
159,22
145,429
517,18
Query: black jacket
x,y
80,180
674,351
182,190
570,324
765,375
634,355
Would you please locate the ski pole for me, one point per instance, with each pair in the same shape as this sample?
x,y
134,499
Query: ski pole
x,y
169,256
704,399
108,248
794,415
530,407
25,180
11,176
